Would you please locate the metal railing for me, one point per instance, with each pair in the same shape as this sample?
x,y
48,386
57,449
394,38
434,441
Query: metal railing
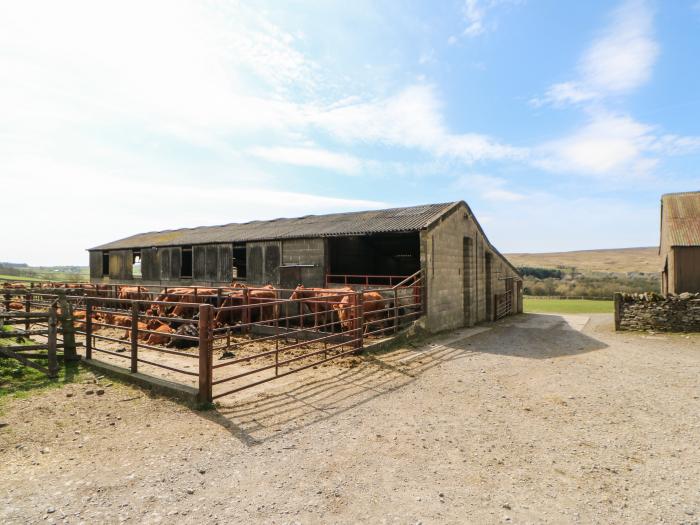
x,y
240,336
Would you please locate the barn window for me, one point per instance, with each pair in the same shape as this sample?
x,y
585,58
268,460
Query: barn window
x,y
239,261
105,264
186,267
136,263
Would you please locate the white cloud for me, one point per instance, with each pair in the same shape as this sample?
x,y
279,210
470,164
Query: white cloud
x,y
309,157
620,60
411,119
124,202
475,14
564,93
488,187
612,144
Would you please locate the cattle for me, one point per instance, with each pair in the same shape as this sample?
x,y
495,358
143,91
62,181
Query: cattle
x,y
14,305
373,308
133,293
118,320
80,321
152,324
180,295
14,286
321,302
188,329
140,327
256,296
203,295
163,335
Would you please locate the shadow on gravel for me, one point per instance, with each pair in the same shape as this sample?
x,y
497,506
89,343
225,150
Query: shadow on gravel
x,y
284,409
290,408
534,336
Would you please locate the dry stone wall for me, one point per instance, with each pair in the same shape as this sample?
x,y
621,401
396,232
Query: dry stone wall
x,y
651,311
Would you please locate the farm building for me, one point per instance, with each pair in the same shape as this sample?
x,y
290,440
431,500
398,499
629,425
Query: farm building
x,y
680,242
466,279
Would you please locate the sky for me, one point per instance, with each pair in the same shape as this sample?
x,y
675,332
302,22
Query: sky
x,y
560,122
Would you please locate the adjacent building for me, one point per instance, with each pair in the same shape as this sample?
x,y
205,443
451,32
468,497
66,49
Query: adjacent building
x,y
466,278
680,242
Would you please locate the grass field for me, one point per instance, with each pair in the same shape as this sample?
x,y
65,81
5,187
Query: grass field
x,y
567,306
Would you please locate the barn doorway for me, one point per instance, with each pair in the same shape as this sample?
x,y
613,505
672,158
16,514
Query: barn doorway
x,y
488,288
467,279
384,256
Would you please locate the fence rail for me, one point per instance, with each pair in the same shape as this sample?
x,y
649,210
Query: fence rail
x,y
239,336
27,354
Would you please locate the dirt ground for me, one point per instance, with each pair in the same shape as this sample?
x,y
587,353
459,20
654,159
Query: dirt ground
x,y
534,419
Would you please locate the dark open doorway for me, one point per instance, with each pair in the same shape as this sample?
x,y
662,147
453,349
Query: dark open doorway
x,y
374,255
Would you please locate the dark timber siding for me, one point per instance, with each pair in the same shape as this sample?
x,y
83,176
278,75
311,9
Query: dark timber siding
x,y
264,260
95,265
687,269
150,270
225,272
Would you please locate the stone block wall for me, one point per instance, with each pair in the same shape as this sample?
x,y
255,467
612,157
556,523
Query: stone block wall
x,y
651,311
457,288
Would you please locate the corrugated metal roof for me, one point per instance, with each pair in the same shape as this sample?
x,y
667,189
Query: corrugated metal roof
x,y
681,218
413,218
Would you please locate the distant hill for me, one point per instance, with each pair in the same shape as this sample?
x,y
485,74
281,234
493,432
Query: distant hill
x,y
623,260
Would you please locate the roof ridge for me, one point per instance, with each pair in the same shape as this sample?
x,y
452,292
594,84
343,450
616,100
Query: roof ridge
x,y
338,223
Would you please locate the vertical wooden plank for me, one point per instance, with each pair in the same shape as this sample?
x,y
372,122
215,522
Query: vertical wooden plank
x,y
205,361
27,308
134,337
68,329
53,362
88,328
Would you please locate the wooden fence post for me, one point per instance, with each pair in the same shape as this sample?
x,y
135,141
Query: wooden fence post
x,y
7,302
27,308
205,357
67,328
51,343
134,337
88,328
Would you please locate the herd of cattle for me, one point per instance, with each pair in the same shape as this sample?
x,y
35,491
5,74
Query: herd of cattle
x,y
171,313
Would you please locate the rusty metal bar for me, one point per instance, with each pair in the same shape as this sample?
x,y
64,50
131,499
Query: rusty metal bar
x,y
205,357
134,337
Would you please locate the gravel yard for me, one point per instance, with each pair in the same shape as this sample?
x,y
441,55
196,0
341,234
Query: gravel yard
x,y
538,418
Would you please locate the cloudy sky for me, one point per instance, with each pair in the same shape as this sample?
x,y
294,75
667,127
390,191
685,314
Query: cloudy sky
x,y
559,122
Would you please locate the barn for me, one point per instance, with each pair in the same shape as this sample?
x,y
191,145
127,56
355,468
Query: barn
x,y
680,242
466,279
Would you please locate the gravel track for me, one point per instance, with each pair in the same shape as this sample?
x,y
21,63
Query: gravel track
x,y
534,419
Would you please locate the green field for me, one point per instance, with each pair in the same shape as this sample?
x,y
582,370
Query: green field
x,y
567,306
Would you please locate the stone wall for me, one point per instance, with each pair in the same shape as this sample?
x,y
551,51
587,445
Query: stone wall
x,y
454,255
651,311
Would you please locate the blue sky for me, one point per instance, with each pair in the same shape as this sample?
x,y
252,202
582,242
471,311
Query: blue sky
x,y
560,122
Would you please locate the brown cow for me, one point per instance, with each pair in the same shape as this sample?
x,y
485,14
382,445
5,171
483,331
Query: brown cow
x,y
373,307
256,296
319,301
203,295
177,295
162,337
14,305
133,293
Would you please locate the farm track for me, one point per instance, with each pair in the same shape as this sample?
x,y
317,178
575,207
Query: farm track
x,y
537,418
